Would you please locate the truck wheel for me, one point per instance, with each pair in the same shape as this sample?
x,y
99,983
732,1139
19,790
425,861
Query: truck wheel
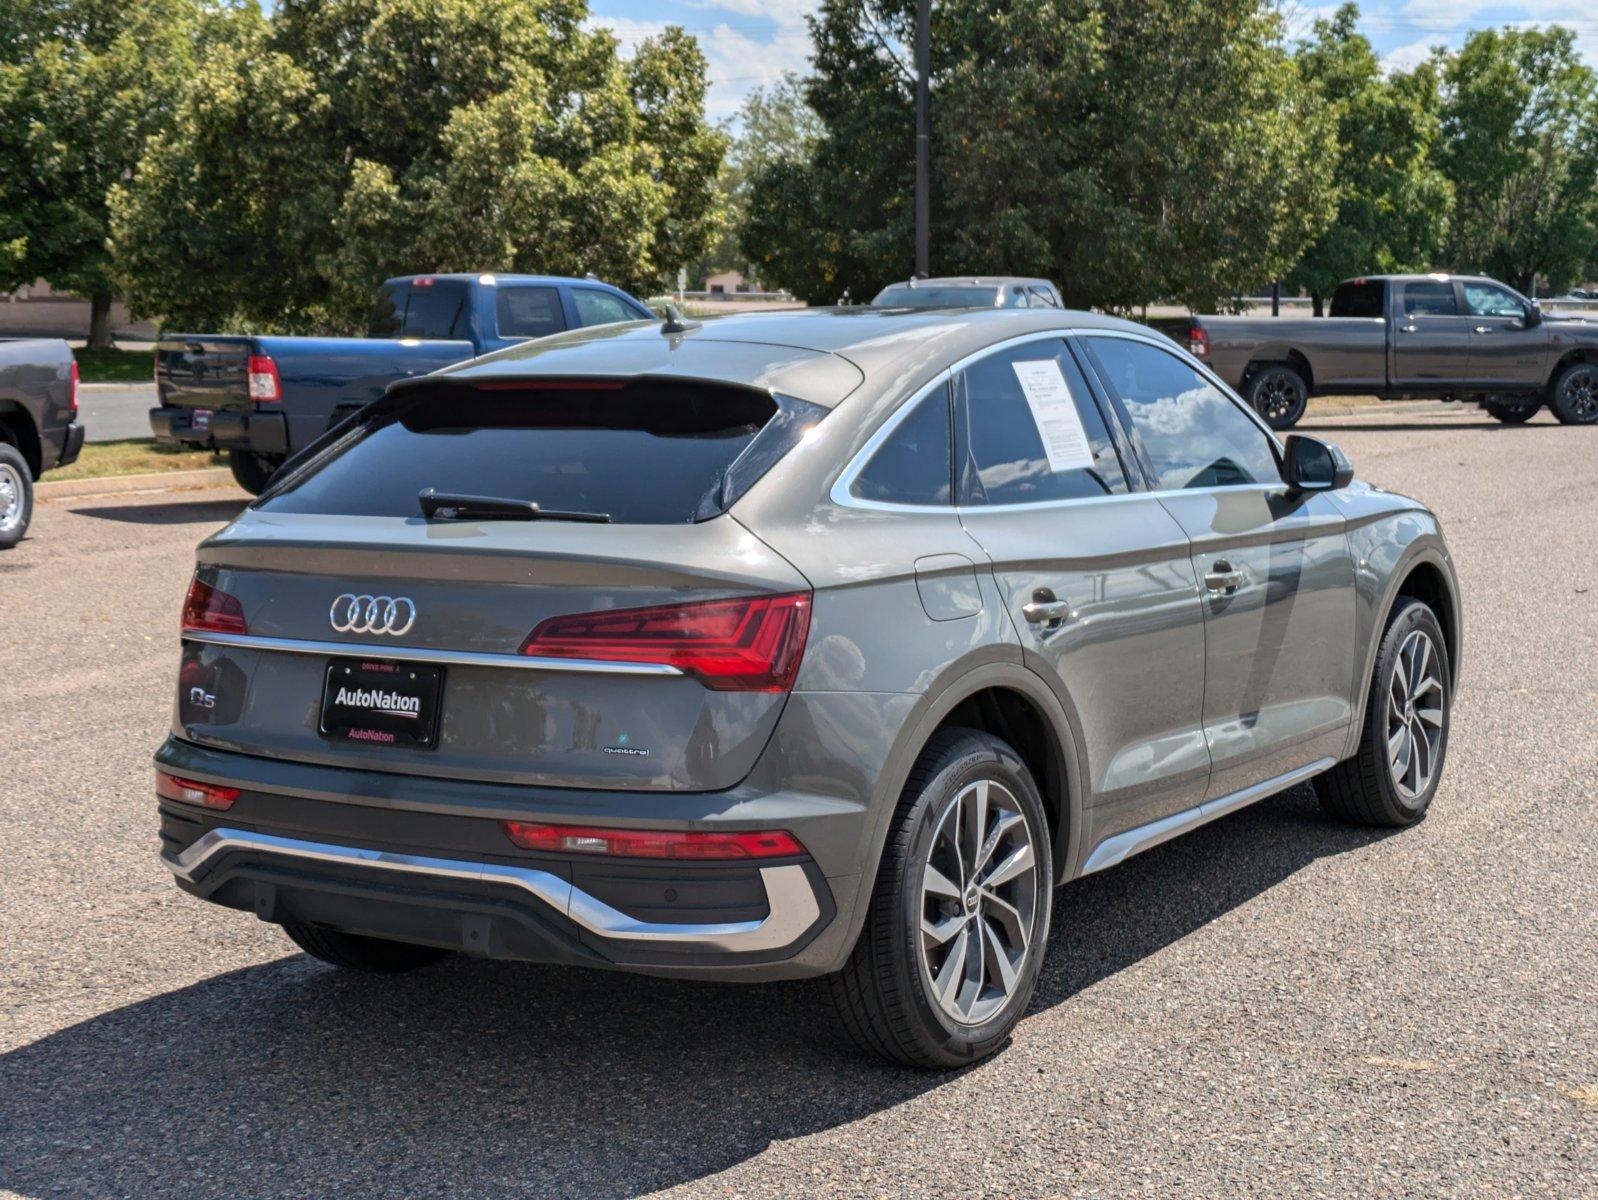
x,y
251,470
16,496
955,936
1574,395
356,952
1279,394
1512,412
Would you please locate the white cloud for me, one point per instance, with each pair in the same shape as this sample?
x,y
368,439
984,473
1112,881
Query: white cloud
x,y
1407,57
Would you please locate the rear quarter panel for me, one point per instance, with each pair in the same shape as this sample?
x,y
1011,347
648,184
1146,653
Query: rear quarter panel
x,y
36,388
1343,352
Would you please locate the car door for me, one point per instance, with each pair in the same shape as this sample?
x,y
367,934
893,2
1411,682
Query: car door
x,y
1504,351
1431,337
1096,575
1275,566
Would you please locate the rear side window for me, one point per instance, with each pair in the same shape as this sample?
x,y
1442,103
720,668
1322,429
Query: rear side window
x,y
530,312
1430,300
646,452
1006,404
600,308
1358,299
912,466
430,309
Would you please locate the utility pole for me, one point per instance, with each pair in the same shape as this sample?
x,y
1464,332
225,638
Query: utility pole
x,y
923,135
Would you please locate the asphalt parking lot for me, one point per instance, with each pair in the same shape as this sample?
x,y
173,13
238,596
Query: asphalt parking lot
x,y
1272,1005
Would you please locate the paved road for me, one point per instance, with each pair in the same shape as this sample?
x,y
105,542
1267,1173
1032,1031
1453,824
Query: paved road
x,y
1273,1005
113,411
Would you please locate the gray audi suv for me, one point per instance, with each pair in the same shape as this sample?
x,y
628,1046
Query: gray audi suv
x,y
813,644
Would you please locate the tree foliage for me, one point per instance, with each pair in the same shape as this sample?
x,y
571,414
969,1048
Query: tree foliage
x,y
1128,151
1393,201
1520,145
341,141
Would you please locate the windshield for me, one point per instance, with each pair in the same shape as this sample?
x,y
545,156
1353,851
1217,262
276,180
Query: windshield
x,y
902,295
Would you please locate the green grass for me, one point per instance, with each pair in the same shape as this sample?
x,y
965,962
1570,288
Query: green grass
x,y
115,366
135,456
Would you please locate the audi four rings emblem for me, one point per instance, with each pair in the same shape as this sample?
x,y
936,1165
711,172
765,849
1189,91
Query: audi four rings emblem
x,y
393,615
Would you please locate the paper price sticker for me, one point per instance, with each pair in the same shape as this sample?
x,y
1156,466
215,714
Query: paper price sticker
x,y
1054,412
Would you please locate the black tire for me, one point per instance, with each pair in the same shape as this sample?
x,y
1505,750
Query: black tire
x,y
16,496
1512,412
356,952
1368,789
884,996
1573,395
1279,394
252,471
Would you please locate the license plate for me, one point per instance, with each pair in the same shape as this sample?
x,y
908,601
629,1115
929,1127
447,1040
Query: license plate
x,y
377,703
201,419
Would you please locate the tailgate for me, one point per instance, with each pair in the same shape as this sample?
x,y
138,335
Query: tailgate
x,y
203,371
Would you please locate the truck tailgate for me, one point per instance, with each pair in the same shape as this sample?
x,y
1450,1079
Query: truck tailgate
x,y
203,371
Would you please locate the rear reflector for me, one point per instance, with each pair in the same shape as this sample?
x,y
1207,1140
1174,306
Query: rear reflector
x,y
748,645
209,610
187,791
265,386
653,843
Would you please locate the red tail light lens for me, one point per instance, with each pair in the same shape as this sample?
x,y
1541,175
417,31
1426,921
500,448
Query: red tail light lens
x,y
653,843
212,611
749,645
1198,342
72,400
187,791
265,386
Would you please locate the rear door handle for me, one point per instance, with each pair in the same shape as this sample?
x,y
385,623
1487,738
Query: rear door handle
x,y
1484,329
1044,609
1222,577
1408,328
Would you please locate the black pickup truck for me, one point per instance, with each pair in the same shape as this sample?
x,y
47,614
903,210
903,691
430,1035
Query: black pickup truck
x,y
1464,337
39,427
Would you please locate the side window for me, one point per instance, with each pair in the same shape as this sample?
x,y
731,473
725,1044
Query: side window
x,y
1031,430
530,312
1192,434
1430,300
600,308
912,465
1489,300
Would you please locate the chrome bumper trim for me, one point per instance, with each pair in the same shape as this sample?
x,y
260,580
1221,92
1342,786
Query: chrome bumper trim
x,y
426,654
791,903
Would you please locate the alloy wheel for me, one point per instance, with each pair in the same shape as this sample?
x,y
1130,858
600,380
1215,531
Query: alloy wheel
x,y
11,498
1415,715
979,895
1581,394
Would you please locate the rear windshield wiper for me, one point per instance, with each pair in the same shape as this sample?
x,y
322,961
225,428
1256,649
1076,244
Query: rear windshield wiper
x,y
447,506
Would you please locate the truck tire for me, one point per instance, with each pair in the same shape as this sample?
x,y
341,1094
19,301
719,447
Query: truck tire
x,y
252,471
1279,394
1573,396
1512,412
925,986
16,496
356,952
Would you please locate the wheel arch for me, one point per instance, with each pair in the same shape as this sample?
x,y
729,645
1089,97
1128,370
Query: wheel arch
x,y
1575,354
1280,355
17,429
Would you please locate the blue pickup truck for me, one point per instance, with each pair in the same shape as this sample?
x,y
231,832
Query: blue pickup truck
x,y
263,398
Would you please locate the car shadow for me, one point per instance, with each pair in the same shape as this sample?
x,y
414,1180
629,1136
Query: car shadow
x,y
176,512
487,1078
1427,426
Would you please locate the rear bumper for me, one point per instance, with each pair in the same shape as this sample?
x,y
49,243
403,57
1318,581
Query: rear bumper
x,y
443,873
71,444
259,432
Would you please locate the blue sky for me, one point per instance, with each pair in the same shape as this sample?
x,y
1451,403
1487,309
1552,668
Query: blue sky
x,y
752,42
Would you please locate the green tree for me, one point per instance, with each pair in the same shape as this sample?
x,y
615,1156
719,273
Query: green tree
x,y
83,83
1393,201
1130,152
342,141
1520,145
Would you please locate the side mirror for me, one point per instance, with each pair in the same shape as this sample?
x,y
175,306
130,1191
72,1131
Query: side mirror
x,y
1311,465
1534,314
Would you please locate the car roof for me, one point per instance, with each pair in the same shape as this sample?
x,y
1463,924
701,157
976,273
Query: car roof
x,y
971,281
498,277
1431,277
815,354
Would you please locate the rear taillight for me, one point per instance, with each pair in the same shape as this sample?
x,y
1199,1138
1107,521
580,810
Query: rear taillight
x,y
187,791
1198,342
652,843
209,610
72,399
749,645
265,386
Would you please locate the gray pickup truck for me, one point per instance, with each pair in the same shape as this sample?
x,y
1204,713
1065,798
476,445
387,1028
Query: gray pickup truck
x,y
1458,336
39,427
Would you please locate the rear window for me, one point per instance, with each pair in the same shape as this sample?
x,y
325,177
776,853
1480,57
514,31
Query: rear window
x,y
646,452
904,296
1358,299
433,310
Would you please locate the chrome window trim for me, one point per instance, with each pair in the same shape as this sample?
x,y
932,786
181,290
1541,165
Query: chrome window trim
x,y
841,493
426,654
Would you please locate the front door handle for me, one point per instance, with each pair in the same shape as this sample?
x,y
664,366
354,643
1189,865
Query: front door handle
x,y
1484,329
1223,578
1408,328
1044,609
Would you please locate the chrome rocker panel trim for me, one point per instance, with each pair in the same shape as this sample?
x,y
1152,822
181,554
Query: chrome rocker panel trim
x,y
792,906
426,654
1122,846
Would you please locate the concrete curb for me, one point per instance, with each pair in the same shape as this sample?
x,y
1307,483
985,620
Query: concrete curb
x,y
1396,407
111,485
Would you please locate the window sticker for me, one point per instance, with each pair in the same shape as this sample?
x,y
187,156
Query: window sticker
x,y
1054,412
